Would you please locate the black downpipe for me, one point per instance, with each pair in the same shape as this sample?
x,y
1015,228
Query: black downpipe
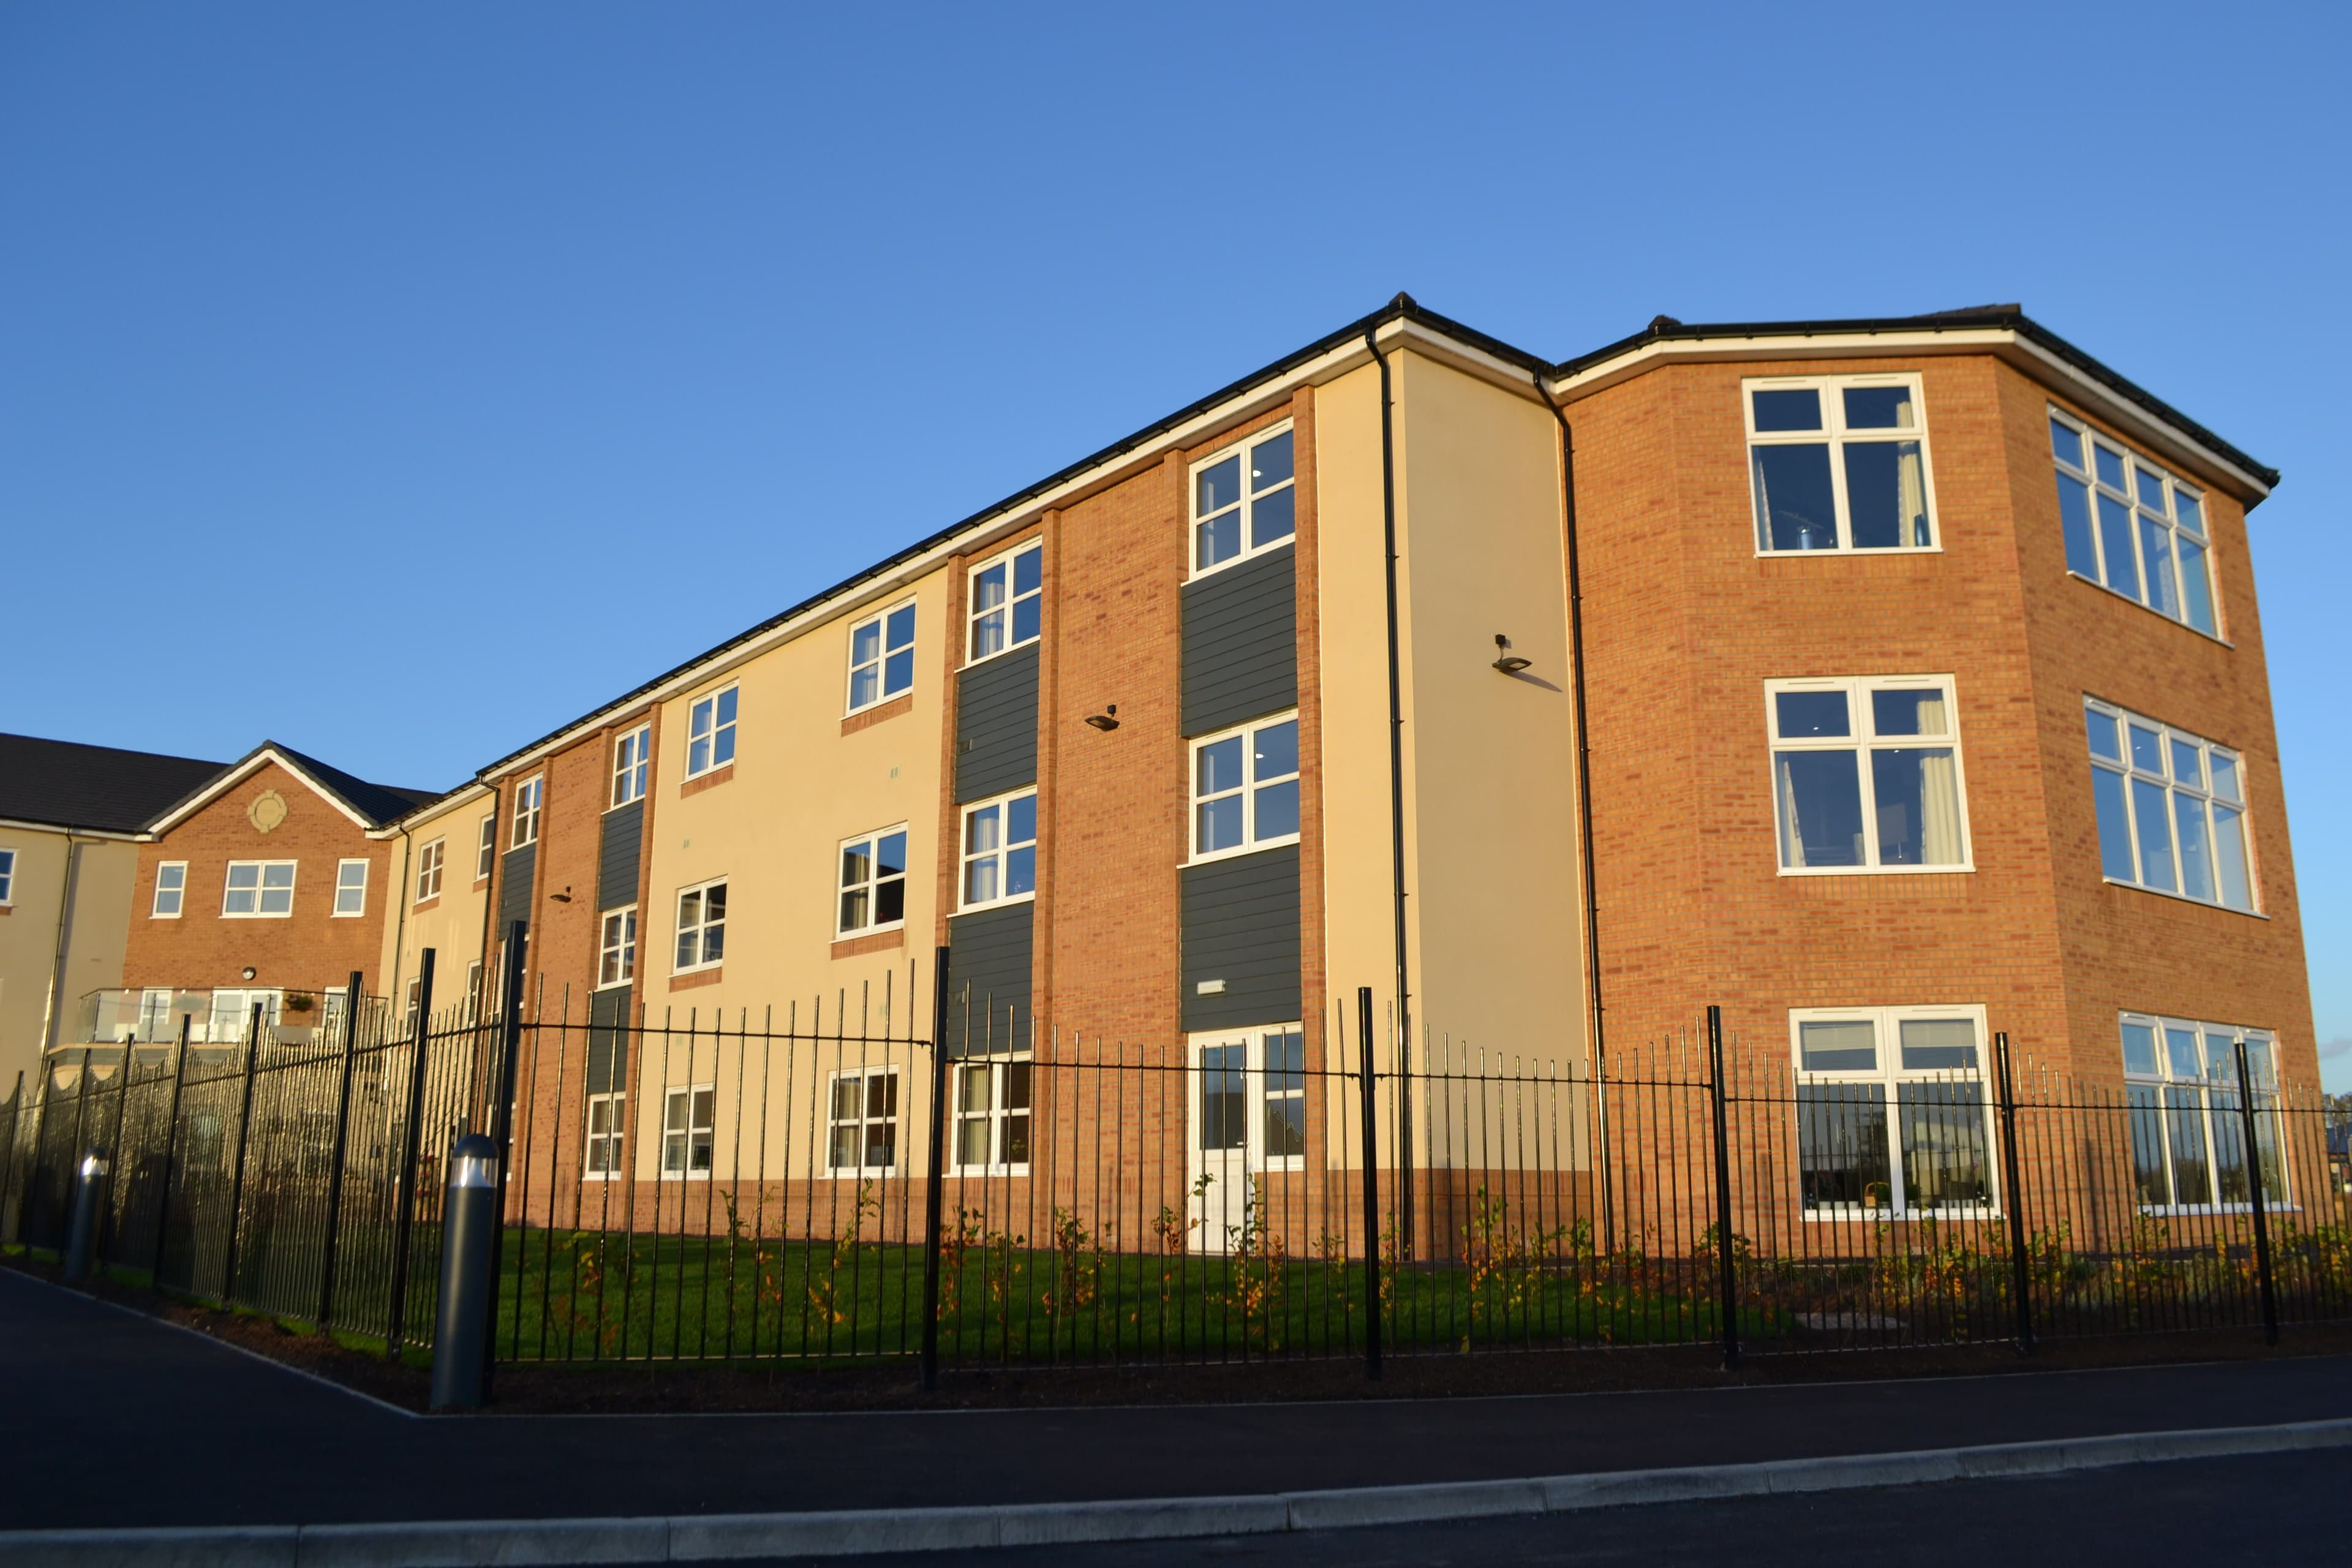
x,y
1396,810
1584,804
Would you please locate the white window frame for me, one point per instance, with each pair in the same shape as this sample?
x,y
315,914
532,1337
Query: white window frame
x,y
886,653
632,765
696,1097
2135,777
529,801
1001,855
485,848
1010,607
1837,434
616,947
844,889
2161,1091
711,730
261,887
1890,1075
238,1013
473,991
702,926
893,1117
1862,740
175,870
430,863
2162,506
1250,842
1245,505
997,1079
612,1140
344,886
8,877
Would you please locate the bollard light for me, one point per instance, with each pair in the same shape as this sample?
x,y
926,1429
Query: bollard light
x,y
461,1332
81,1233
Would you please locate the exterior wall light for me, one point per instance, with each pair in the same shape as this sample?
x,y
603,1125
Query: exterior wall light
x,y
1105,721
1510,663
249,972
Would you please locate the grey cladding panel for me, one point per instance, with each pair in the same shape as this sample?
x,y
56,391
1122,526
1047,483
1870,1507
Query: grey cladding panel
x,y
616,858
1241,926
1241,642
608,1041
996,725
515,885
988,980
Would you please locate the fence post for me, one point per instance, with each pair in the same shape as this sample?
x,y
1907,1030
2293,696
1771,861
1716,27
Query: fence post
x,y
171,1149
2020,1278
2254,1190
342,1143
1726,1275
502,1133
243,1137
403,1223
938,1170
1371,1189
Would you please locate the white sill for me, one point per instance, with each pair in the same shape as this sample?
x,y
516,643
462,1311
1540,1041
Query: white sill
x,y
257,915
172,916
972,1172
1837,553
1846,1212
865,930
706,773
2159,615
2181,897
684,1176
632,980
348,915
889,697
1009,899
631,801
999,653
1238,850
1968,866
2215,1211
1288,540
857,1173
700,968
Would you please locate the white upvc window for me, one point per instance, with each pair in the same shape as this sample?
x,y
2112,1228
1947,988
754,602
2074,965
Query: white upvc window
x,y
232,1015
873,884
1866,774
607,1124
701,926
485,848
428,869
1924,1064
1244,500
473,991
862,1122
2188,1124
351,889
2171,807
2131,526
1839,462
882,656
1007,601
8,877
258,890
991,1116
529,795
170,889
633,760
710,733
1246,788
1000,850
689,1127
617,948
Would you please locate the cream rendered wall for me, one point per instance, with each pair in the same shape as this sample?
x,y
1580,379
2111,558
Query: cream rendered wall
x,y
29,937
453,927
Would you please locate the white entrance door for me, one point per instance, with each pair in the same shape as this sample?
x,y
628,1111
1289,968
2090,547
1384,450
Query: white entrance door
x,y
1247,1114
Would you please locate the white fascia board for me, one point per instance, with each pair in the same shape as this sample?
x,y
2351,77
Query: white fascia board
x,y
462,795
63,830
2022,352
252,765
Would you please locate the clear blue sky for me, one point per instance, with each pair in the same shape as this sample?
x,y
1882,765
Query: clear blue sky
x,y
401,382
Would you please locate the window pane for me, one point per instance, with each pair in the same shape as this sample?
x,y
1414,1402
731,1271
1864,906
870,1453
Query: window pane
x,y
1842,1044
1277,748
2148,750
901,626
1918,793
2111,465
852,910
983,830
988,635
1221,824
1217,540
2102,727
1795,508
1224,1098
2225,775
979,880
1909,712
727,706
2195,586
1028,571
1820,808
863,685
971,1141
2185,1120
1878,409
1796,408
1277,809
1021,871
2152,820
890,901
2065,444
1274,517
1027,618
866,643
1886,494
2075,521
898,672
891,855
1270,462
2115,825
1020,820
1220,767
988,589
2188,764
2229,1139
1939,1045
2163,590
856,865
2115,536
2139,1049
1804,713
2188,512
2180,1054
1842,1146
2236,888
714,940
1219,486
1284,1133
1943,1145
2148,1174
2151,494
698,724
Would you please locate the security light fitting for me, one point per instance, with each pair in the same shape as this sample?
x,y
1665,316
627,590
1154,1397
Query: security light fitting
x,y
1105,721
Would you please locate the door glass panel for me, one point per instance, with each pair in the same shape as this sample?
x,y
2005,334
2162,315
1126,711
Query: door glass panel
x,y
1224,1097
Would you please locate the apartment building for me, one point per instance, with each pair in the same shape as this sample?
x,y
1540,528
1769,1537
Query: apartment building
x,y
1887,682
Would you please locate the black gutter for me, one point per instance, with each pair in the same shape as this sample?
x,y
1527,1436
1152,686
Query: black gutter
x,y
2004,317
1396,803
